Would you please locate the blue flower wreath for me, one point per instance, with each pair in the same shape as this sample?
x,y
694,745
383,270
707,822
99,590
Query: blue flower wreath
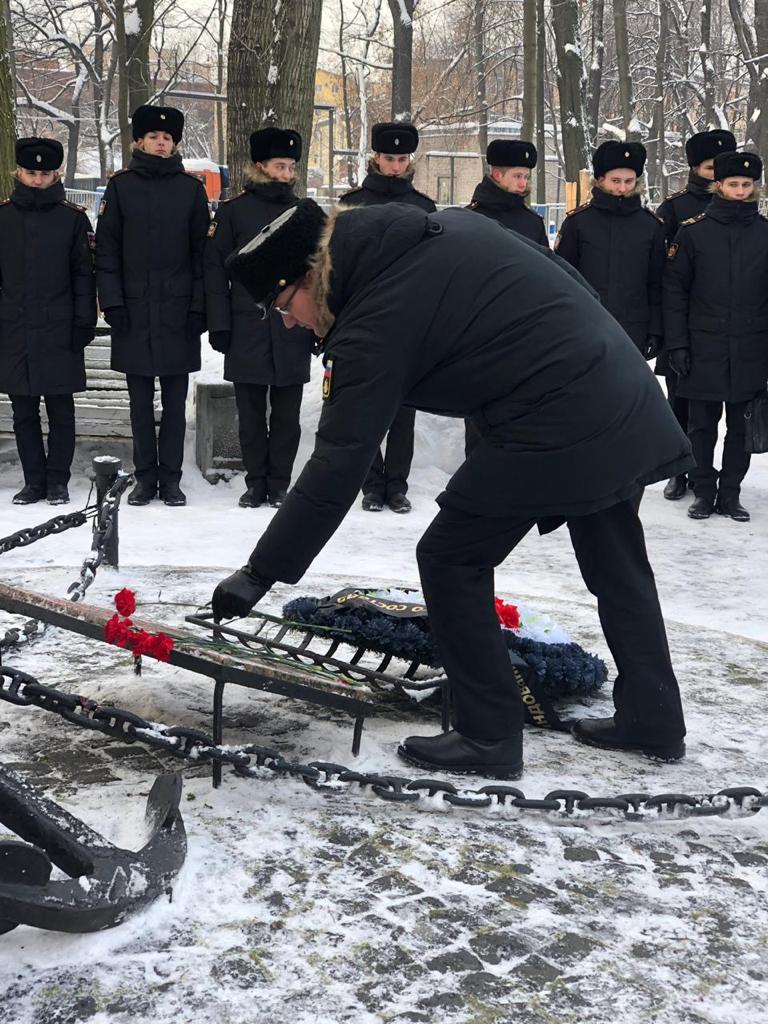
x,y
564,670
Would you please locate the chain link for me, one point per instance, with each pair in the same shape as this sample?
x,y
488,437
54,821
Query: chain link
x,y
197,747
58,524
102,532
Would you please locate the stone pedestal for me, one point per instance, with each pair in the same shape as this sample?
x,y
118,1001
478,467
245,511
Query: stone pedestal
x,y
217,446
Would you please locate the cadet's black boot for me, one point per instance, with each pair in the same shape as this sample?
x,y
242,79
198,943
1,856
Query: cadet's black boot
x,y
602,732
276,500
452,752
57,494
399,503
372,503
729,505
28,495
142,494
676,488
172,494
251,499
702,508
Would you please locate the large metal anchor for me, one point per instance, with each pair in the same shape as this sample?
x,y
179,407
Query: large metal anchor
x,y
105,883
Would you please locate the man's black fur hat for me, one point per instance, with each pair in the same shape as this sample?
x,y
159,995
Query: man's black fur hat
x,y
612,155
279,254
157,119
394,137
272,143
39,154
738,165
511,153
706,145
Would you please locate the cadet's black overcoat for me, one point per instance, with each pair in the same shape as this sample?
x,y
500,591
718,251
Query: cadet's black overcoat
x,y
47,289
688,202
716,301
261,351
508,209
380,188
150,238
452,314
618,246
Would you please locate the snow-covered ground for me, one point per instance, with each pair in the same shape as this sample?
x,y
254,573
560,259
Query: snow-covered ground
x,y
305,908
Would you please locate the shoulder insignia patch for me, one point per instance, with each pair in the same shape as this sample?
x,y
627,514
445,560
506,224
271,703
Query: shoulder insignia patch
x,y
327,379
5,202
672,251
212,228
223,202
676,195
72,206
579,209
693,220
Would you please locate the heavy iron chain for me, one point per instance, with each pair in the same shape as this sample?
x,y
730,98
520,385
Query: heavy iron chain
x,y
197,747
32,629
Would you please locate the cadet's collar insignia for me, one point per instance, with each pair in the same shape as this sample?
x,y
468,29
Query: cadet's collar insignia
x,y
102,207
672,251
212,228
327,379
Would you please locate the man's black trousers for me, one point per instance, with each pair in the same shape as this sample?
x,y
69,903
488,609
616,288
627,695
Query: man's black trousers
x,y
157,457
456,557
388,476
41,470
703,418
679,404
269,449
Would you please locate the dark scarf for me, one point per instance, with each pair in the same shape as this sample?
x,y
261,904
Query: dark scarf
x,y
621,205
698,186
731,211
273,191
27,198
153,166
489,194
386,185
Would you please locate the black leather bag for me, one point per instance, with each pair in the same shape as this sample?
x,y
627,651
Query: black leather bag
x,y
756,423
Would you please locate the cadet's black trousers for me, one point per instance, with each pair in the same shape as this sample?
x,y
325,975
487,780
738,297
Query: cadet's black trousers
x,y
703,418
388,476
41,469
679,405
157,458
456,557
269,449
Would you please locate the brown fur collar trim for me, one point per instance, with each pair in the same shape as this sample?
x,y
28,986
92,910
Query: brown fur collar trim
x,y
257,176
638,190
407,174
321,268
756,196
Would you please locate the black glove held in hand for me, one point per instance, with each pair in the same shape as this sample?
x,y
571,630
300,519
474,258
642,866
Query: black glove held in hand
x,y
680,361
117,318
220,341
81,338
652,346
237,594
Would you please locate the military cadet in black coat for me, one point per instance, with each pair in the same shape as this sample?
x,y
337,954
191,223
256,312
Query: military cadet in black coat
x,y
265,360
503,193
617,244
47,316
416,311
716,327
150,239
700,150
389,180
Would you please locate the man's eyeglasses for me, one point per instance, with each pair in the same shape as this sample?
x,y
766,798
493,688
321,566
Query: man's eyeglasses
x,y
285,309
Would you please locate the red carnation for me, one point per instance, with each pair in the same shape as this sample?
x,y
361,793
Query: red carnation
x,y
508,614
116,632
125,601
160,647
139,641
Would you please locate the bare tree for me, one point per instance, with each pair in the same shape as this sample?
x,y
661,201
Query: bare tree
x,y
402,57
7,121
595,68
572,86
626,92
530,89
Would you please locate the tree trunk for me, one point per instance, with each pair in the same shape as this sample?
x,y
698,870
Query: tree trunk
x,y
221,142
271,77
541,136
478,56
122,83
571,87
626,97
707,67
7,113
137,53
402,58
530,92
596,69
657,177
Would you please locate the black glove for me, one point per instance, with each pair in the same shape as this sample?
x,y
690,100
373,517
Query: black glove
x,y
680,361
220,341
81,338
237,594
117,318
195,326
653,345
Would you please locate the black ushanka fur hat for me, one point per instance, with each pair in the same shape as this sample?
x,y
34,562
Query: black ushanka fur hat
x,y
274,143
738,165
707,145
157,119
612,155
511,153
39,154
279,254
394,137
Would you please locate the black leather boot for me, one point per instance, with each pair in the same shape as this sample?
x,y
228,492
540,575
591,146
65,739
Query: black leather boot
x,y
57,494
372,503
142,494
28,495
602,732
702,508
172,494
399,503
730,506
251,498
676,488
452,752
